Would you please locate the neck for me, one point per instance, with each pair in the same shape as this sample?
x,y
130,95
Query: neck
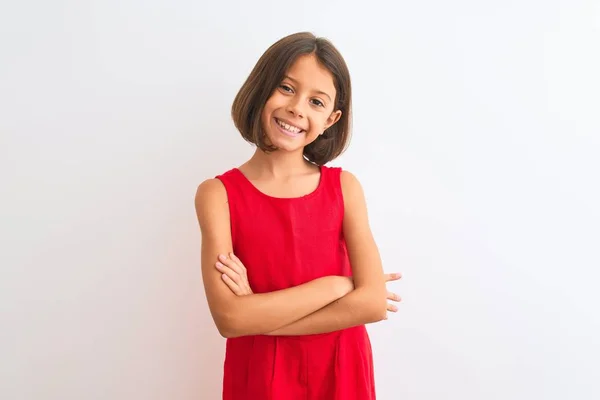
x,y
278,163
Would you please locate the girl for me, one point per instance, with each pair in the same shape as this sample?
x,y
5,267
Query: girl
x,y
291,270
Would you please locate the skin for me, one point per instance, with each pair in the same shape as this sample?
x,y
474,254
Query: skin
x,y
305,100
235,277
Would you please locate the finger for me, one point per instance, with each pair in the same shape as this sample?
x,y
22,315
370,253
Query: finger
x,y
392,308
231,264
393,296
241,276
242,271
393,276
237,260
233,275
232,285
241,279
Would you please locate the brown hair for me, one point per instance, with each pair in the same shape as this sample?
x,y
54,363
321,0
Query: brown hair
x,y
267,75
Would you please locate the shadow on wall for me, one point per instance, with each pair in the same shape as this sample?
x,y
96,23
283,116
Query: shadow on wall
x,y
210,346
214,147
212,352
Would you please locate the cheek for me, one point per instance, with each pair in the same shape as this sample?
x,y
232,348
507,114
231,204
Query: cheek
x,y
270,105
267,112
275,100
264,117
318,123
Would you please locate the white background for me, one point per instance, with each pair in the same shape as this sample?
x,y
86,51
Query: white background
x,y
476,138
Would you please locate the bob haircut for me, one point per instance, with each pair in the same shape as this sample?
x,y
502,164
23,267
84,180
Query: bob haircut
x,y
267,75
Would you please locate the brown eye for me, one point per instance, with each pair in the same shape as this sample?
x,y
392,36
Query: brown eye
x,y
318,103
286,88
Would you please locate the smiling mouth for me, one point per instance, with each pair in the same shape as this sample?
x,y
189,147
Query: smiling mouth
x,y
286,128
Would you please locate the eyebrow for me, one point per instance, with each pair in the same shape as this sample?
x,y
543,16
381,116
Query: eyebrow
x,y
316,91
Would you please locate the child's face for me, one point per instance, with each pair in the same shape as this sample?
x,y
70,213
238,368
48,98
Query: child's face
x,y
303,103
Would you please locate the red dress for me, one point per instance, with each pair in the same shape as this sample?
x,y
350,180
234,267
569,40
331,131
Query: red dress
x,y
284,242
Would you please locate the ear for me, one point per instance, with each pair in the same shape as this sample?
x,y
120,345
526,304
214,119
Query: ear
x,y
333,118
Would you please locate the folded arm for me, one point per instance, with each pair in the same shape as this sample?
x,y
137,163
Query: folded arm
x,y
367,303
256,313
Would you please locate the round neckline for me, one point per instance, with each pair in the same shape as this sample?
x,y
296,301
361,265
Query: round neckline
x,y
306,196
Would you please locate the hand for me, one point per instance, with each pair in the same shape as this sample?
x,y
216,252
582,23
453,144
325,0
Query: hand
x,y
234,274
390,295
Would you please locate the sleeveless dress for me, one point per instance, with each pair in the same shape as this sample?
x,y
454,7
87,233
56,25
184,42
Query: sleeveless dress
x,y
285,242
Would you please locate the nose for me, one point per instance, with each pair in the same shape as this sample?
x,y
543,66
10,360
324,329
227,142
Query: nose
x,y
294,107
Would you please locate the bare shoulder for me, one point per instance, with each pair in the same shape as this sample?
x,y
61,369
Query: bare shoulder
x,y
351,188
211,197
348,178
211,189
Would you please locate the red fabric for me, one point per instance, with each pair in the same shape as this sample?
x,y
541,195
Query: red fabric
x,y
284,243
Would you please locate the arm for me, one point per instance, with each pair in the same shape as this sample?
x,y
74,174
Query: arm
x,y
256,313
367,303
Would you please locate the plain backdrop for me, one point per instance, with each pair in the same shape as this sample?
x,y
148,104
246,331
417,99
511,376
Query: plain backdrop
x,y
476,137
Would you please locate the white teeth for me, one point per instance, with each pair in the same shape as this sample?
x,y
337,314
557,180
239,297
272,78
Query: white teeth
x,y
287,127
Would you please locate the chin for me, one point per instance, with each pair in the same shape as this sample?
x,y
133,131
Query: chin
x,y
282,145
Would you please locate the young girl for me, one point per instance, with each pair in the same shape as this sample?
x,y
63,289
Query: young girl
x,y
290,268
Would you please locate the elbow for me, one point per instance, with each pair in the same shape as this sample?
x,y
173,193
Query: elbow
x,y
232,326
226,325
228,332
225,331
223,328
